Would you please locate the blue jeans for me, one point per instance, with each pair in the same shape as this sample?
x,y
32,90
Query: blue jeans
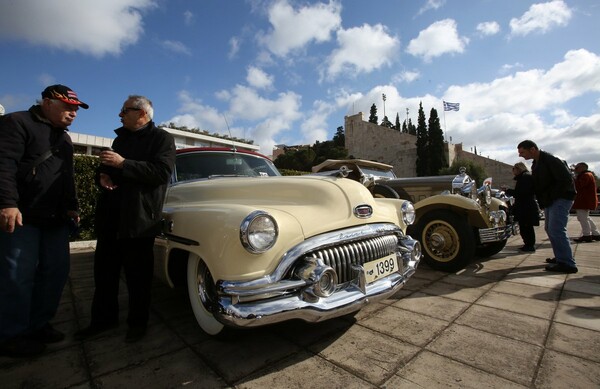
x,y
557,215
34,267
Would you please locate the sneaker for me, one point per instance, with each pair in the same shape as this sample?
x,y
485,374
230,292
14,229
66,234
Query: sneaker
x,y
21,347
135,333
527,249
550,260
584,239
93,330
561,268
47,334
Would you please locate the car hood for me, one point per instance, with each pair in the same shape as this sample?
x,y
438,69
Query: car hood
x,y
318,203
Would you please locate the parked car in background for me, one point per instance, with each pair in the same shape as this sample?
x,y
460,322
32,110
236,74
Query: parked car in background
x,y
455,220
255,248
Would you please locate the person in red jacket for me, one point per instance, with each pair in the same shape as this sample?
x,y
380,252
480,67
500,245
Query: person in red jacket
x,y
585,200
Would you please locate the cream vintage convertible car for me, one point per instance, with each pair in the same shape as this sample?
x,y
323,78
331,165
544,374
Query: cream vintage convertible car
x,y
455,220
255,248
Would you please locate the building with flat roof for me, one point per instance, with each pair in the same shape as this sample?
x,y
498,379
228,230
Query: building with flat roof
x,y
91,144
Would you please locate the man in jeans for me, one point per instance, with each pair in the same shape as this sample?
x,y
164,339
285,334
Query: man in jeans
x,y
37,199
555,191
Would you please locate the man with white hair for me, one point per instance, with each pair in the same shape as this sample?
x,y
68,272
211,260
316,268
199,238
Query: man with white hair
x,y
133,179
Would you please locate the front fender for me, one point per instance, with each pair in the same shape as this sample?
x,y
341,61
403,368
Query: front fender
x,y
457,203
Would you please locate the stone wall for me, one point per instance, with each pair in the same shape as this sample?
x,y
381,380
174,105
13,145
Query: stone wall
x,y
373,142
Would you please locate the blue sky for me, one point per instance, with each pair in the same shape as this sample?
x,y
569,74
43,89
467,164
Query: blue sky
x,y
287,72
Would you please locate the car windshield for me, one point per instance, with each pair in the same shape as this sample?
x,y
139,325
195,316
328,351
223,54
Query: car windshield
x,y
203,165
377,172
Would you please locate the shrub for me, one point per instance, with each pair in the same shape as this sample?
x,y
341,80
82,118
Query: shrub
x,y
87,192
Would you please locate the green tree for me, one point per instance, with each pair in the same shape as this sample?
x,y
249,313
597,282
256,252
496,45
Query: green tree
x,y
307,157
423,163
474,170
412,130
339,139
327,150
386,123
296,159
373,114
397,125
435,144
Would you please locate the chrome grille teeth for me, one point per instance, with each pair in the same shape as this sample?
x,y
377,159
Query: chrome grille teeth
x,y
342,257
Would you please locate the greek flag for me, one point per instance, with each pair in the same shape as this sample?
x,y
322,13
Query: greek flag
x,y
451,106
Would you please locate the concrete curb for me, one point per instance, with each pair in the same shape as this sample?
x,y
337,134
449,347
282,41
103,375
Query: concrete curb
x,y
83,245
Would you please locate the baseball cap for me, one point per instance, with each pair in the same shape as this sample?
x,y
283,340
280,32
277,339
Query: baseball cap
x,y
63,93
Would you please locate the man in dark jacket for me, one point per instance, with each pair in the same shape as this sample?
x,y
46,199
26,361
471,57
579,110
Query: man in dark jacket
x,y
37,201
133,178
555,191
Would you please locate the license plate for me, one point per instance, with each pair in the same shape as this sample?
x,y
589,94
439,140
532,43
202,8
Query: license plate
x,y
380,268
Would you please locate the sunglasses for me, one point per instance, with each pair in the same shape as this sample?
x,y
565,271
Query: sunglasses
x,y
124,110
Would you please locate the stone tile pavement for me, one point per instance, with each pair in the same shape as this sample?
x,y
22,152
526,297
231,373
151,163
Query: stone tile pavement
x,y
501,323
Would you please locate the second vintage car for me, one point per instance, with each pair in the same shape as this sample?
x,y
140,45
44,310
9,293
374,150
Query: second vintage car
x,y
455,220
255,248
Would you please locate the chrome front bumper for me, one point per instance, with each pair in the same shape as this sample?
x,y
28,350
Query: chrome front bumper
x,y
341,303
275,299
496,234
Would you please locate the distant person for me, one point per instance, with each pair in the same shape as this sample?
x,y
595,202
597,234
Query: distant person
x,y
133,179
525,207
555,190
37,204
585,200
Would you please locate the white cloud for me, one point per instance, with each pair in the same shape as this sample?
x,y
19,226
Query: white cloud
x,y
251,115
431,5
533,90
257,78
439,38
362,50
488,28
234,47
176,47
541,17
188,18
510,67
530,102
97,28
293,29
406,76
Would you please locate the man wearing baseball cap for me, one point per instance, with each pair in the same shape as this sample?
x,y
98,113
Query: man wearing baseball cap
x,y
37,203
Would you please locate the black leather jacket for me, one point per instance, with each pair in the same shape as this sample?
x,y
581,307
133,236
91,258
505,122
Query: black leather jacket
x,y
43,196
525,208
133,209
552,180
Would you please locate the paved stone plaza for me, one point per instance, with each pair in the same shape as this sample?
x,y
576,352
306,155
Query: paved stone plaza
x,y
500,323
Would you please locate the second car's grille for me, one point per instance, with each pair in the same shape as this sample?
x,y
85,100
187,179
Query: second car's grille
x,y
341,257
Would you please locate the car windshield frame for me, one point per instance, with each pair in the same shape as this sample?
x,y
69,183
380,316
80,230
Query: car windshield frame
x,y
205,165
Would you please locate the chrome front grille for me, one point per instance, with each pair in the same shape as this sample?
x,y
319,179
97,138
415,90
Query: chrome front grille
x,y
342,257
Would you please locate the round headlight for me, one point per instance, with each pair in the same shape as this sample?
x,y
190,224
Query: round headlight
x,y
408,213
258,232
